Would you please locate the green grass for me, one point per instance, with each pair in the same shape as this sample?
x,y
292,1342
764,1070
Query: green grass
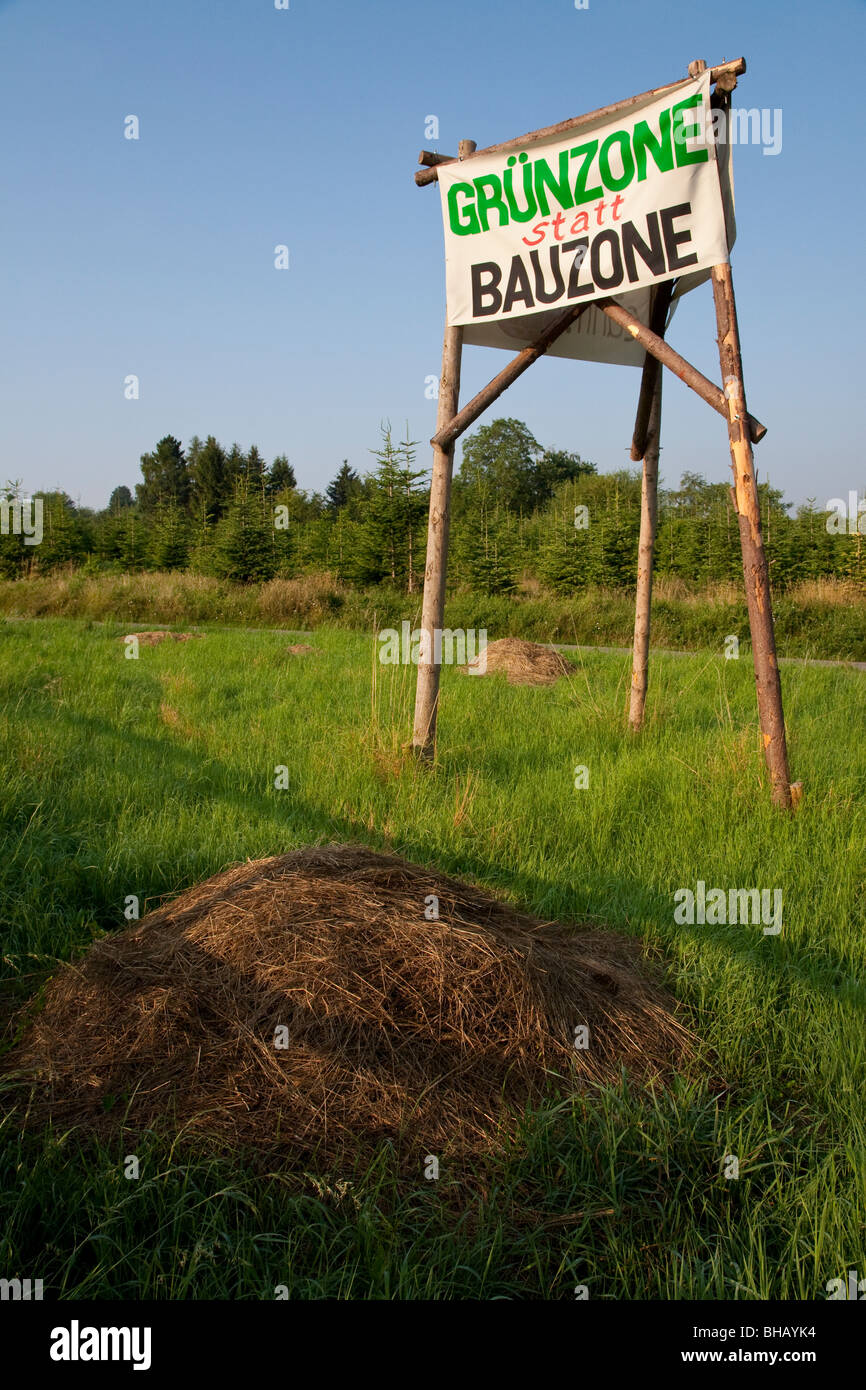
x,y
146,776
823,618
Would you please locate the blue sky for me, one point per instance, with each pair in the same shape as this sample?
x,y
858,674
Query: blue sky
x,y
260,127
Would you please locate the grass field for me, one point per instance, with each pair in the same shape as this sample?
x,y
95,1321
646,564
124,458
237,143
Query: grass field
x,y
823,618
142,777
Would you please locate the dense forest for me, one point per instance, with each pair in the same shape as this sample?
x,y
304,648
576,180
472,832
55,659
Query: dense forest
x,y
520,512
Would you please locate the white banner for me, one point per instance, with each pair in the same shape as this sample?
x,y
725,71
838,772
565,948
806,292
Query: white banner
x,y
613,209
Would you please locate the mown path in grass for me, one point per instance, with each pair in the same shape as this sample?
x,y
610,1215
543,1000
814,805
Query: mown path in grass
x,y
568,647
142,777
669,651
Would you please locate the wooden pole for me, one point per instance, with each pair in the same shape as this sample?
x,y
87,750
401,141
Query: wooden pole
x,y
651,369
651,342
755,567
438,526
516,367
732,68
647,433
431,158
433,604
646,550
661,303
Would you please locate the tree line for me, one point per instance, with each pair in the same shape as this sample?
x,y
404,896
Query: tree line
x,y
519,512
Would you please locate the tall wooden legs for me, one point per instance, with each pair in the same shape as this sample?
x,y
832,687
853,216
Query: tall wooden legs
x,y
433,606
755,568
645,445
646,549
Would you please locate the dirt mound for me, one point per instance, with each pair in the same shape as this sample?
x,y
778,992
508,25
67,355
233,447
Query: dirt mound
x,y
424,1033
153,639
525,663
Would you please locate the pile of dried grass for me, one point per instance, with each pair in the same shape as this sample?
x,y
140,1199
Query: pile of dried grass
x,y
525,663
425,1033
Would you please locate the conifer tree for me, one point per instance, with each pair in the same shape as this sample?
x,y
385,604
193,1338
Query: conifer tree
x,y
209,480
343,488
121,497
281,476
244,541
64,538
235,469
569,555
388,537
13,552
166,479
485,544
255,469
130,540
168,547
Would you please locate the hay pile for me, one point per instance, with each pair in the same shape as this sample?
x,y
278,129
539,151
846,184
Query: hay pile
x,y
401,1029
525,663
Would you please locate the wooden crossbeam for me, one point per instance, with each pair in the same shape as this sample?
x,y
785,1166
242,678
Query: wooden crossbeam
x,y
516,367
733,69
652,343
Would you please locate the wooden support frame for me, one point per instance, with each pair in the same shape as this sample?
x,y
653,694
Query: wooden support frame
x,y
656,345
438,528
649,376
743,431
451,432
756,571
647,439
723,71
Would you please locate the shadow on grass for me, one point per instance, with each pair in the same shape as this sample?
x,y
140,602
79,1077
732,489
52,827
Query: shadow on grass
x,y
835,976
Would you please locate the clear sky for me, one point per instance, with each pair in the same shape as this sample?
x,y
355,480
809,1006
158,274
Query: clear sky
x,y
302,127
